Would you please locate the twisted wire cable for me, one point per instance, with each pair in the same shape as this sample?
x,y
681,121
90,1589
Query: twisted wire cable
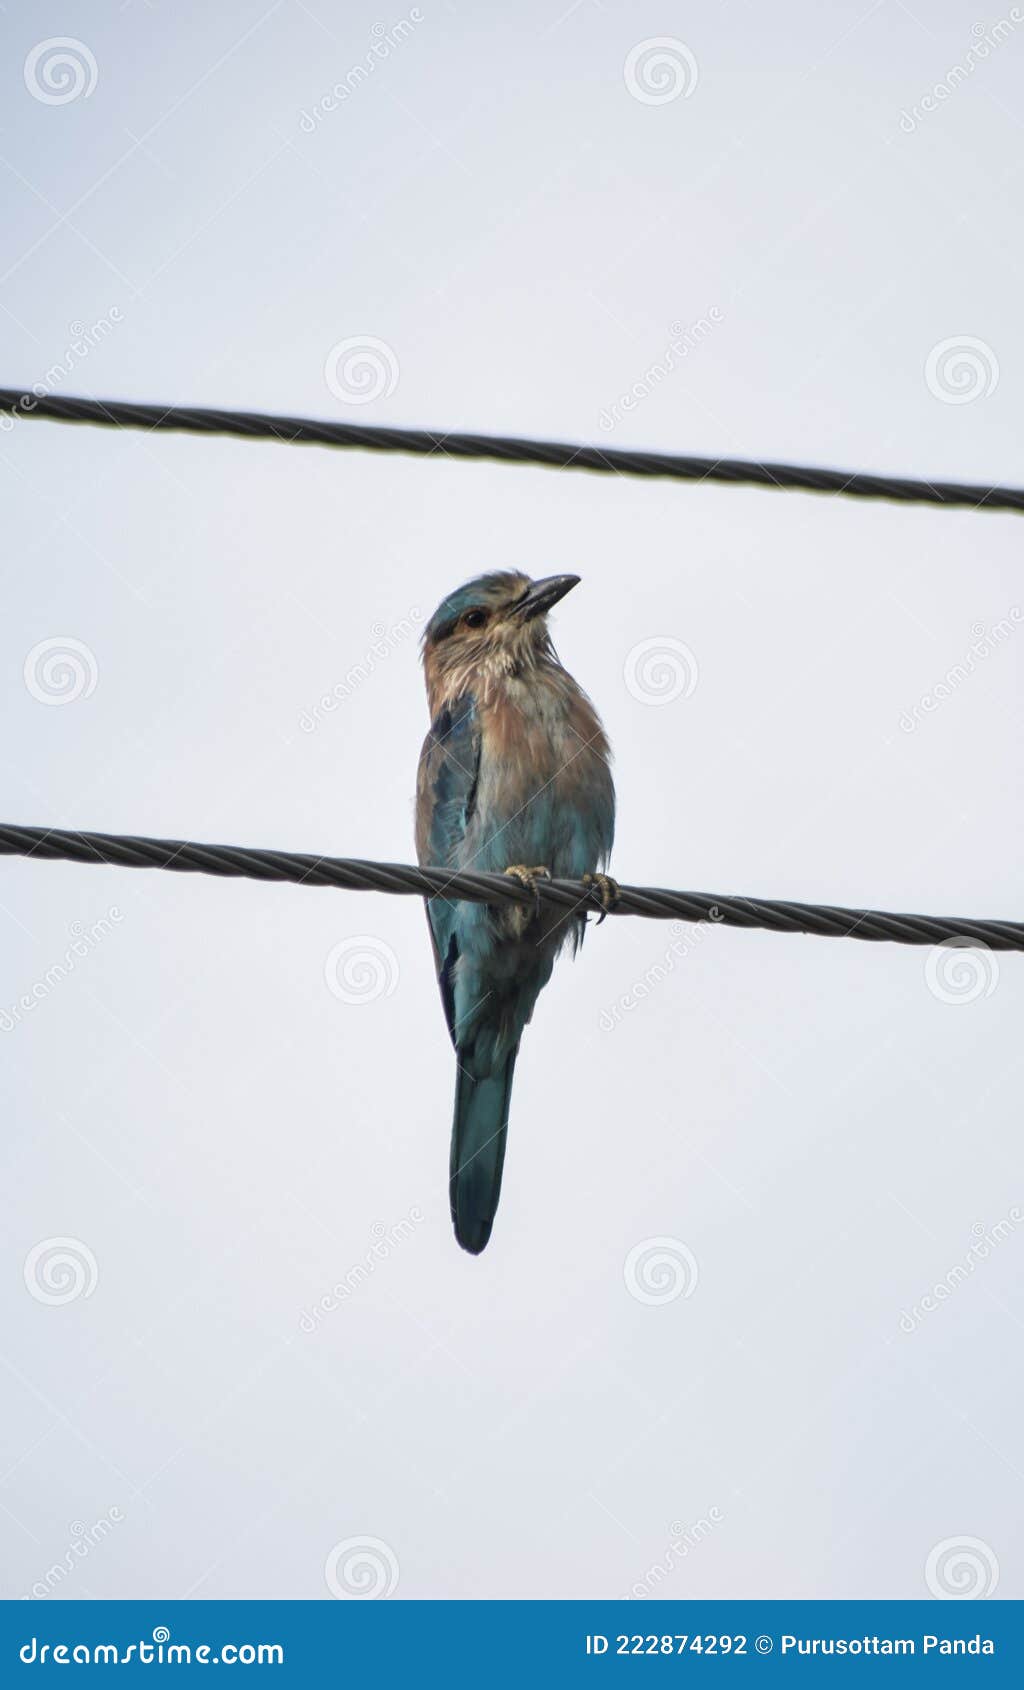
x,y
259,425
354,874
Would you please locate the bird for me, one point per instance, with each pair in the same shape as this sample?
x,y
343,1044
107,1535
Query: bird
x,y
514,777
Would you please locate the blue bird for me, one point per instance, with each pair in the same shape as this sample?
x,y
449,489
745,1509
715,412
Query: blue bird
x,y
513,777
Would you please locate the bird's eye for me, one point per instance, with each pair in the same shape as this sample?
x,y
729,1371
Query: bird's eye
x,y
474,619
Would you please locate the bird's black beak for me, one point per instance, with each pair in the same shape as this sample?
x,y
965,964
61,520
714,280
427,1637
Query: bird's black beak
x,y
543,594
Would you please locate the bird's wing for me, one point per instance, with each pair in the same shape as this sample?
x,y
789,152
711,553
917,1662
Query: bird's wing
x,y
445,796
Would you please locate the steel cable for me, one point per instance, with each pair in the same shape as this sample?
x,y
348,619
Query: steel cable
x,y
354,874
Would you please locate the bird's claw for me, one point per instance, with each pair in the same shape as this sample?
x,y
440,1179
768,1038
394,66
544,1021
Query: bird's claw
x,y
529,877
607,891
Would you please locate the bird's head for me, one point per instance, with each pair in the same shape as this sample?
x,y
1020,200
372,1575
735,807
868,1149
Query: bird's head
x,y
494,626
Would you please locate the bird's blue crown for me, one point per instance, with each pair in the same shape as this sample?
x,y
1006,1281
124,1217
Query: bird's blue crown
x,y
485,590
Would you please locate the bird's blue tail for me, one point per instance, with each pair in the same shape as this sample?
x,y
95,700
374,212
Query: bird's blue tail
x,y
478,1146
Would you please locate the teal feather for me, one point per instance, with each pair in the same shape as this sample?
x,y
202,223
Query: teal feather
x,y
478,1148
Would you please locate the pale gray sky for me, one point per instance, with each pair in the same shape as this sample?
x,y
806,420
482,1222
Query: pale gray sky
x,y
519,211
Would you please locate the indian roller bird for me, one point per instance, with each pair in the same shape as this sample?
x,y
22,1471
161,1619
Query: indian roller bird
x,y
513,778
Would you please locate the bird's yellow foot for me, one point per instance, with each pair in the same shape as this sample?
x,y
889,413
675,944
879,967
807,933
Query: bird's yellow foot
x,y
527,877
607,892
